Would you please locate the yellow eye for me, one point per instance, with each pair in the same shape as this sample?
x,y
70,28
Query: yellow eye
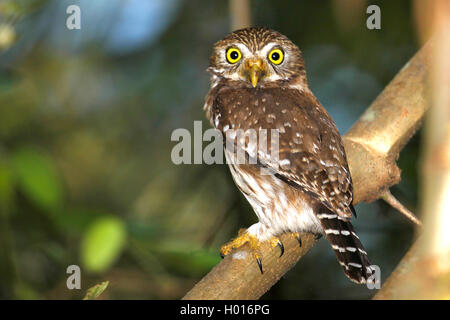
x,y
233,55
276,56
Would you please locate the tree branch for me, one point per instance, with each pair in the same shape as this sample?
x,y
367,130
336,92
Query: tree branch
x,y
372,145
424,272
240,14
394,203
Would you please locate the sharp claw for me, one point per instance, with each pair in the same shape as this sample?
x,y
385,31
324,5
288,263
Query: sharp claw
x,y
281,247
318,236
299,239
258,260
222,255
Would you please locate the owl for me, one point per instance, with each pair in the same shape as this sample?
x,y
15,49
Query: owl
x,y
258,84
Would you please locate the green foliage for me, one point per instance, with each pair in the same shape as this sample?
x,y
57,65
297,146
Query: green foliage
x,y
94,292
10,8
75,221
6,186
102,243
14,8
38,178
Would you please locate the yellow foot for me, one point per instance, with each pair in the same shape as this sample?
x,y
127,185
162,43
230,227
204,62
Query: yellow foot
x,y
254,244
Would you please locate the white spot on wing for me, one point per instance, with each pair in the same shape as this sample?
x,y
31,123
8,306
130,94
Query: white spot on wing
x,y
356,265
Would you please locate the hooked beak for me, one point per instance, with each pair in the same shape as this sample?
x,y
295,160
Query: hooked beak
x,y
255,70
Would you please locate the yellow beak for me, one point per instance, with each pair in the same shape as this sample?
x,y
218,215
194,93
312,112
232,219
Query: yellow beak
x,y
254,69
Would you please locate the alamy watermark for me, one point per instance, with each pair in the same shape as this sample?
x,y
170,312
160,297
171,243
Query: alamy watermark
x,y
374,281
74,280
374,20
73,21
242,146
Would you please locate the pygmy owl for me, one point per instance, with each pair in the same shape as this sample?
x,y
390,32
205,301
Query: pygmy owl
x,y
258,82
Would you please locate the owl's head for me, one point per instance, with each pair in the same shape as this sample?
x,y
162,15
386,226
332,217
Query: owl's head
x,y
258,57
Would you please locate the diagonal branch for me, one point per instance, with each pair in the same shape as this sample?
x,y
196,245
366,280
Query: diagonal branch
x,y
389,198
372,145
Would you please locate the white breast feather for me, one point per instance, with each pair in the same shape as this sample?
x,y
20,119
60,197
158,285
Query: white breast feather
x,y
275,212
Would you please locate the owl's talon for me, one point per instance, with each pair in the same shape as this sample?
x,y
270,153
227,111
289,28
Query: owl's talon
x,y
280,244
277,242
222,255
317,236
258,260
299,239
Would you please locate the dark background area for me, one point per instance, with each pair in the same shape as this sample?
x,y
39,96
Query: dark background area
x,y
86,117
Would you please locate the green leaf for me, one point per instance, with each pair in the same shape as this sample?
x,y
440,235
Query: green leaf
x,y
96,290
102,243
38,177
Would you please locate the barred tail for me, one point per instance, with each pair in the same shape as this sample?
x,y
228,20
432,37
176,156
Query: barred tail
x,y
349,250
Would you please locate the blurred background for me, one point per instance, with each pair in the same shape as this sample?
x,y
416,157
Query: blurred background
x,y
86,118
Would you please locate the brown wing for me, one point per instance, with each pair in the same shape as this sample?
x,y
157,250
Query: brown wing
x,y
311,154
